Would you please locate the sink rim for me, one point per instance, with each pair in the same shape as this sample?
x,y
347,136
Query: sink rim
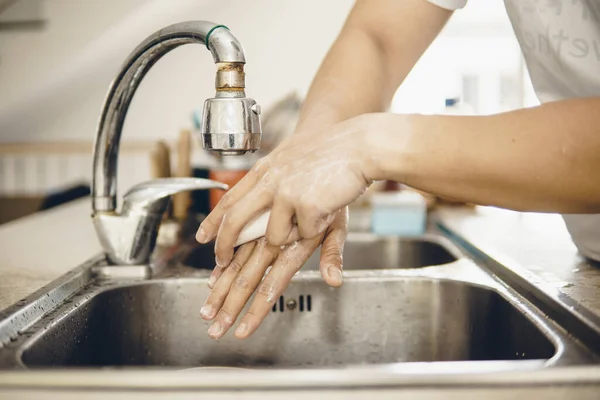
x,y
37,330
352,237
88,274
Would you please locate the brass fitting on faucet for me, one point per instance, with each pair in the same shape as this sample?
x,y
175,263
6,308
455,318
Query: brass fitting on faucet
x,y
230,77
231,121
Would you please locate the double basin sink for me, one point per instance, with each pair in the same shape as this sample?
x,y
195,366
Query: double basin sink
x,y
403,300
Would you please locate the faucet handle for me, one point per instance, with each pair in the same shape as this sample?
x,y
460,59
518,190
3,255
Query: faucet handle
x,y
153,196
129,238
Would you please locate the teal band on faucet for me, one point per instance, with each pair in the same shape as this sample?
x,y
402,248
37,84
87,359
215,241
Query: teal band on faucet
x,y
211,31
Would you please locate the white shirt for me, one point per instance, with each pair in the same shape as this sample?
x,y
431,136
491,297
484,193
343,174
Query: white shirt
x,y
560,40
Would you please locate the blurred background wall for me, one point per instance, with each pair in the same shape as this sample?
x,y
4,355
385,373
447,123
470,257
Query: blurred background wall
x,y
57,58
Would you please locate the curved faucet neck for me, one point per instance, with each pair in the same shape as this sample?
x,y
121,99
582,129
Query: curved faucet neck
x,y
227,53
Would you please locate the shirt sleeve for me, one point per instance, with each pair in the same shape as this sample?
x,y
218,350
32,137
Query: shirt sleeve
x,y
449,4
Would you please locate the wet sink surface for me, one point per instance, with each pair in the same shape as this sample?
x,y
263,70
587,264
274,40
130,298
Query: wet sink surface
x,y
367,321
364,251
369,251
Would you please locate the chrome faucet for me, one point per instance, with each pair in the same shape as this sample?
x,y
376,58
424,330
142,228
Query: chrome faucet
x,y
230,126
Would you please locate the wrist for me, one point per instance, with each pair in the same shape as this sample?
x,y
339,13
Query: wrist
x,y
310,119
386,145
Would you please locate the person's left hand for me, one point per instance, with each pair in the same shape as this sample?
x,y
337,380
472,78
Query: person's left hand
x,y
308,177
233,286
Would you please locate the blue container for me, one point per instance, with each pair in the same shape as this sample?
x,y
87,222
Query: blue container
x,y
399,214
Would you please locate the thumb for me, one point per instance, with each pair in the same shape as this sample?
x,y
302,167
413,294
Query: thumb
x,y
331,256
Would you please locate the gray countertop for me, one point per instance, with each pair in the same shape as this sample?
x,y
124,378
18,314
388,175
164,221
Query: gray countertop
x,y
536,246
41,247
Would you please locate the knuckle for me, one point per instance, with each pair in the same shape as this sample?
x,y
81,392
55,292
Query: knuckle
x,y
335,259
252,314
226,201
267,289
235,266
307,228
228,220
284,196
309,204
261,165
209,221
241,283
215,300
332,250
225,317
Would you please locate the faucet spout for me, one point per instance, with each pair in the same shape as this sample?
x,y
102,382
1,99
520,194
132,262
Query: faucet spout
x,y
231,121
231,126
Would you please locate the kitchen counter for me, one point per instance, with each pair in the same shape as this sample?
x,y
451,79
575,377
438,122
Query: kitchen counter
x,y
536,247
41,247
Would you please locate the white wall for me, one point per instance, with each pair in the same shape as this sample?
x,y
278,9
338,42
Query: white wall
x,y
52,83
284,40
31,56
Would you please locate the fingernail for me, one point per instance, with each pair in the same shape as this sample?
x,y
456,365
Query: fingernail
x,y
211,281
220,263
207,311
215,330
335,274
201,236
241,330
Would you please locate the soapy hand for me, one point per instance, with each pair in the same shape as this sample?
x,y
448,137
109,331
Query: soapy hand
x,y
309,176
232,287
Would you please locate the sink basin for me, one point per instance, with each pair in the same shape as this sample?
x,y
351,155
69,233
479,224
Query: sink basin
x,y
363,251
370,251
369,320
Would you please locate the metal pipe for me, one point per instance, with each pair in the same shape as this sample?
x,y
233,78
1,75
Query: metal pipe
x,y
242,113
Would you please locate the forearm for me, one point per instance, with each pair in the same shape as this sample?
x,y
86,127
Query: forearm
x,y
540,159
374,52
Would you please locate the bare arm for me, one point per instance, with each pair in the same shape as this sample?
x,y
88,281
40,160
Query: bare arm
x,y
377,47
545,158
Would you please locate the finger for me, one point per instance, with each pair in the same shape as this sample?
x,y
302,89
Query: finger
x,y
242,287
289,261
248,208
332,249
331,257
240,258
222,286
294,235
210,226
312,222
215,275
280,226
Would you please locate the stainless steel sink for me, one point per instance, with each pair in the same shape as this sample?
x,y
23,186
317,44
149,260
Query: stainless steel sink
x,y
389,311
368,321
364,251
369,251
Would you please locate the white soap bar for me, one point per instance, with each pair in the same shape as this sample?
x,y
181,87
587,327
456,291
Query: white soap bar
x,y
254,229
